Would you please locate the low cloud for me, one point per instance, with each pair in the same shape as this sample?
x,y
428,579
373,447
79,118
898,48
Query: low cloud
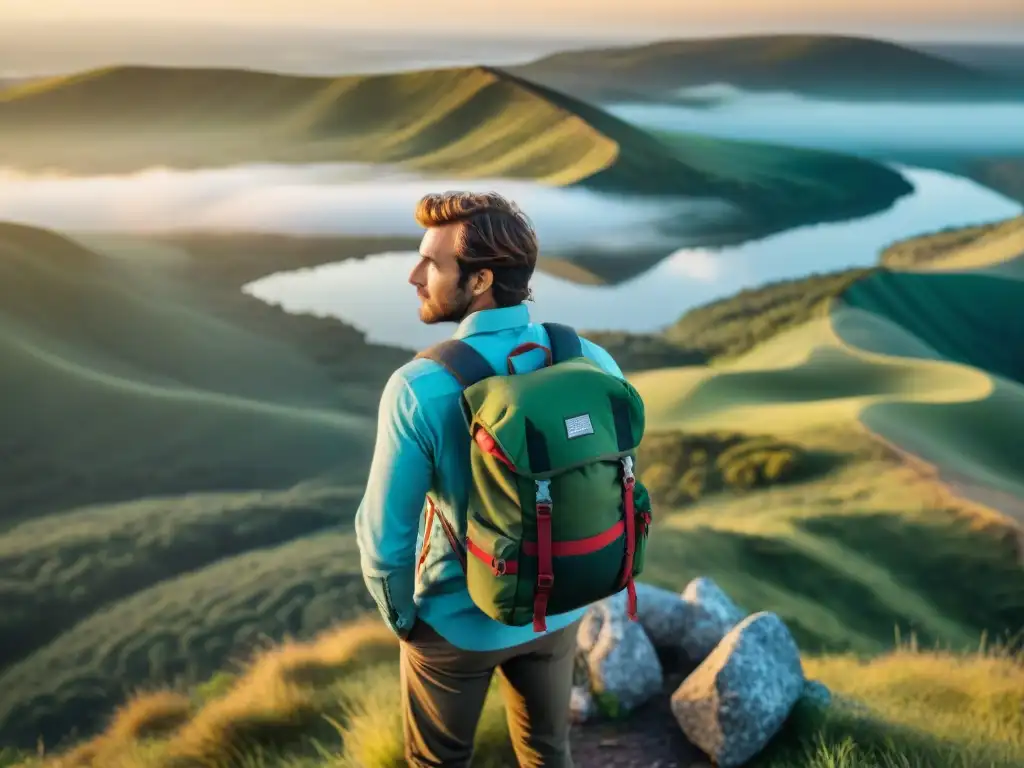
x,y
323,199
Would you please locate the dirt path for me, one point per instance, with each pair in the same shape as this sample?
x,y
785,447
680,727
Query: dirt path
x,y
649,738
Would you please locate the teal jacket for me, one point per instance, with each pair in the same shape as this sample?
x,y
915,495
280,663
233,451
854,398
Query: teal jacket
x,y
422,447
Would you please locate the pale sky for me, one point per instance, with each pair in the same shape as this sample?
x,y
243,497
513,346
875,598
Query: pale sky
x,y
552,16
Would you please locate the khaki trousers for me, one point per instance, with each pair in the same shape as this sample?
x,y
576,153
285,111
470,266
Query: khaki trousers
x,y
444,688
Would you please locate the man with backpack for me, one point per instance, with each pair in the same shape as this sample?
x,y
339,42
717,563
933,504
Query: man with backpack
x,y
501,499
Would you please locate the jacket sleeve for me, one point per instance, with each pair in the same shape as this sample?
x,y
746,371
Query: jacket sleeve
x,y
387,521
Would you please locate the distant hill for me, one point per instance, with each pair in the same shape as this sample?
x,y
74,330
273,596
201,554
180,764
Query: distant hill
x,y
1006,59
455,123
825,66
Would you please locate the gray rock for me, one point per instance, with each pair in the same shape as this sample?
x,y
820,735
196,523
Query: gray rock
x,y
742,693
817,694
622,665
661,613
709,614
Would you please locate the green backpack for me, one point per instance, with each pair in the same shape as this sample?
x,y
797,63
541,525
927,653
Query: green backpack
x,y
556,518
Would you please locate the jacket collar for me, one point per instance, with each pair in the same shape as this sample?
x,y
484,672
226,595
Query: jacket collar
x,y
493,320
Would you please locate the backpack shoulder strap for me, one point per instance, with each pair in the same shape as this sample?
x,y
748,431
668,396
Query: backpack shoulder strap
x,y
463,362
565,343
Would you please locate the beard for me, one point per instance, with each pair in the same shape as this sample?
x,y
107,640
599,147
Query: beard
x,y
446,309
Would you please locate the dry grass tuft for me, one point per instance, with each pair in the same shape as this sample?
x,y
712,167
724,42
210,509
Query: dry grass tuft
x,y
281,694
144,717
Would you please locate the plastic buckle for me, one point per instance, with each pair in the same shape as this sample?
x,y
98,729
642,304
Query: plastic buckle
x,y
628,478
544,508
544,492
545,581
498,566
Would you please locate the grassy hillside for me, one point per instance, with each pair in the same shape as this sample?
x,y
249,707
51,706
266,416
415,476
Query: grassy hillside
x,y
830,66
927,251
176,457
461,122
908,707
452,123
220,487
963,308
148,353
724,329
727,328
926,357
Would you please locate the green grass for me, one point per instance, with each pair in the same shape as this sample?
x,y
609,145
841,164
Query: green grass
x,y
333,701
829,554
181,631
170,358
174,451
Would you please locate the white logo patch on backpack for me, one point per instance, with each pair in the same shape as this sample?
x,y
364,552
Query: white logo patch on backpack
x,y
578,426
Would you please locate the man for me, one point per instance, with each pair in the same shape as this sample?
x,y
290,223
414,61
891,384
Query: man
x,y
476,260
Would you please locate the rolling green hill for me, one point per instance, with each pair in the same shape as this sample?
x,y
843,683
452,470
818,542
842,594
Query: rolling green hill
x,y
166,527
827,66
727,328
176,453
452,123
924,355
135,353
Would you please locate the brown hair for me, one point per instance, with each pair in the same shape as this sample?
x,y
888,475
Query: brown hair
x,y
495,235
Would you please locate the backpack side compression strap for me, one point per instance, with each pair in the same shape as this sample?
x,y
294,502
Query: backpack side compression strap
x,y
463,362
565,343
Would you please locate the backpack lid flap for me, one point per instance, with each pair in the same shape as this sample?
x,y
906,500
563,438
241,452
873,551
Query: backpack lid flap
x,y
554,419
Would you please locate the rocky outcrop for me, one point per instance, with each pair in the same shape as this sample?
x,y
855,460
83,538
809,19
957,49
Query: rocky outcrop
x,y
621,664
709,615
741,694
742,673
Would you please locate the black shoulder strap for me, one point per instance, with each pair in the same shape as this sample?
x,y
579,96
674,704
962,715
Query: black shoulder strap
x,y
463,362
565,343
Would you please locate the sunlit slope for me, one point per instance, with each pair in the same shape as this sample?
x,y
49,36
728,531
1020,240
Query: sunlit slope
x,y
929,359
966,307
805,378
456,121
122,379
471,122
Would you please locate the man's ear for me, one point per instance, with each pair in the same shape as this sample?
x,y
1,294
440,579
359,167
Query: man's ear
x,y
482,281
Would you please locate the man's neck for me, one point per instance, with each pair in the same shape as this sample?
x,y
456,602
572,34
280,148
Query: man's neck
x,y
479,304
